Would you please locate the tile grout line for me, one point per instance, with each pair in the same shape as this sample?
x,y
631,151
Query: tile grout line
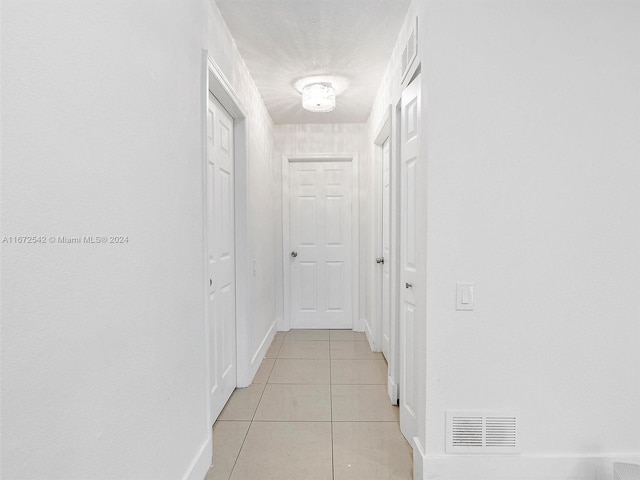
x,y
333,467
310,421
253,416
239,451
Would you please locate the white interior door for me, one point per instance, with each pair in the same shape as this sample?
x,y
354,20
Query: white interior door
x,y
386,250
220,255
411,269
320,257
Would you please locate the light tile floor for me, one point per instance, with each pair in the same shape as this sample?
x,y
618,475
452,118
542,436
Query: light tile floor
x,y
317,410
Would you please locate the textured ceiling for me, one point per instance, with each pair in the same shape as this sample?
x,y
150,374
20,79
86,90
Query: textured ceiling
x,y
283,41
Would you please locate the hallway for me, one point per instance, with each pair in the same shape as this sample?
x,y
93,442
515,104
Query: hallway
x,y
491,248
317,410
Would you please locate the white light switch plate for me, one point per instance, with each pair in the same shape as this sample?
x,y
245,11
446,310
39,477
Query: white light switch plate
x,y
464,296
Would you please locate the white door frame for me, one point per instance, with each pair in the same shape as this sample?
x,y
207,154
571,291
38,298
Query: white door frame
x,y
388,130
215,82
384,133
393,382
285,323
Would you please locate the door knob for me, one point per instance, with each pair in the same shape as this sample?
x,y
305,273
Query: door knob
x,y
210,282
294,254
407,285
380,260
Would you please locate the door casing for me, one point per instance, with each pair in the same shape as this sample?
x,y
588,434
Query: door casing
x,y
285,323
387,131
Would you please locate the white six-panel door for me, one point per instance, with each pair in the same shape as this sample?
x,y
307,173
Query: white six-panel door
x,y
320,240
220,255
411,269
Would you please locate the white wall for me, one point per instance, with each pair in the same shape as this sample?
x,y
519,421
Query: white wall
x,y
329,139
264,195
103,346
531,116
533,140
103,353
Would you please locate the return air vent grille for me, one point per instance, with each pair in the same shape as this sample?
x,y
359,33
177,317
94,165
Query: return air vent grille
x,y
466,431
482,432
410,51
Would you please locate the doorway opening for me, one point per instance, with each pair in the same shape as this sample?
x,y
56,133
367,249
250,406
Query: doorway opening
x,y
386,246
224,187
320,242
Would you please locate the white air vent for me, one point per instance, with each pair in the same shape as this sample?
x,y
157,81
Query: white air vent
x,y
482,432
410,51
626,471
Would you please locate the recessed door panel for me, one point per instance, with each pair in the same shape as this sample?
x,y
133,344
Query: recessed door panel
x,y
335,177
334,216
408,354
411,119
308,286
225,224
335,292
225,137
410,202
307,220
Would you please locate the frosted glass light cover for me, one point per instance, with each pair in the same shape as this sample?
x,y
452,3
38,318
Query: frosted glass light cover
x,y
318,97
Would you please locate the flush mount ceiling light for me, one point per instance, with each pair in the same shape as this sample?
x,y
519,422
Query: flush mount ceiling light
x,y
318,97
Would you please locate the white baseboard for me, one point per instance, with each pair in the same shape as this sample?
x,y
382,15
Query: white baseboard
x,y
202,461
392,390
369,335
516,467
419,469
258,355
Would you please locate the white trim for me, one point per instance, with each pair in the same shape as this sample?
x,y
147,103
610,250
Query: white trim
x,y
370,335
242,192
509,467
285,324
384,129
322,158
392,389
361,327
256,360
355,239
395,204
202,461
222,90
205,270
419,460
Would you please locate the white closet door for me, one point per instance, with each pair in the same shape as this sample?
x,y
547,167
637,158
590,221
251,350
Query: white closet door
x,y
411,268
320,240
220,256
